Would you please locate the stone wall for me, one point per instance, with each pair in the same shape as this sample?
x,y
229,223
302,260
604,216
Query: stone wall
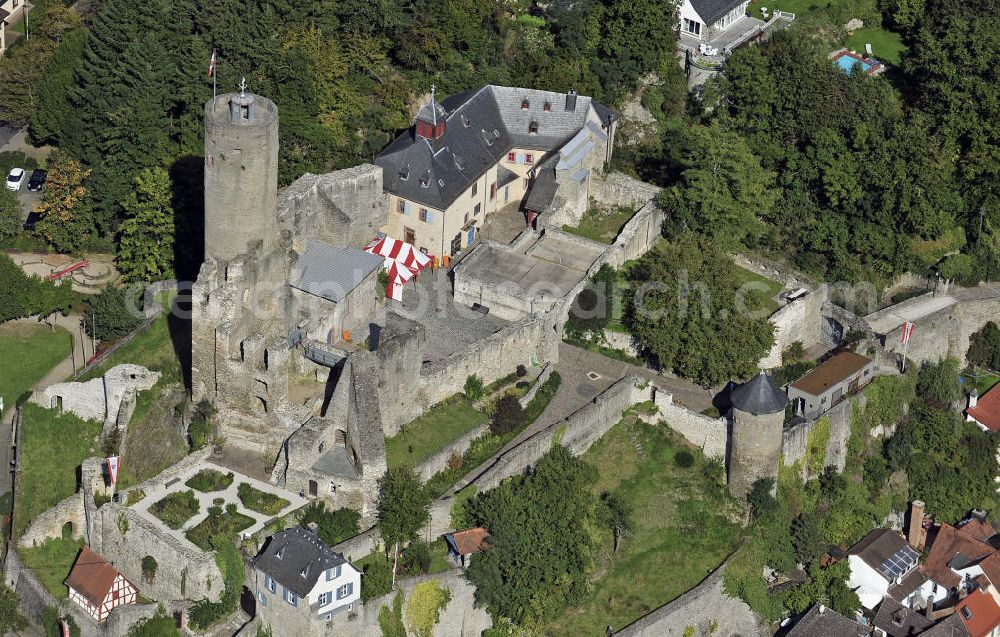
x,y
617,189
460,618
539,381
33,599
123,538
438,461
99,398
946,333
48,525
795,439
708,434
701,607
800,320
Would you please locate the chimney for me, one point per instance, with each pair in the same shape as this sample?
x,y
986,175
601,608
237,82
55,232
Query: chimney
x,y
917,534
571,101
822,609
973,398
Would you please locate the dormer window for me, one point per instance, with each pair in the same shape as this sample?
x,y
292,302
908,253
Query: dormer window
x,y
465,121
441,183
425,181
404,173
280,552
966,613
524,104
486,137
547,106
533,128
305,572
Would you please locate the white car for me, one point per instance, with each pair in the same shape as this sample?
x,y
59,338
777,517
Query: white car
x,y
15,178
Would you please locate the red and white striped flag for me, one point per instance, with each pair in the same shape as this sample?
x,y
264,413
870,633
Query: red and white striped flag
x,y
63,628
907,331
113,469
211,64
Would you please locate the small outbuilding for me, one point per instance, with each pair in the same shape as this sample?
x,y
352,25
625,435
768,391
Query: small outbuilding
x,y
462,544
838,376
97,587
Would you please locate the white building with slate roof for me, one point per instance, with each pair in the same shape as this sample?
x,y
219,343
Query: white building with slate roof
x,y
705,19
481,151
299,582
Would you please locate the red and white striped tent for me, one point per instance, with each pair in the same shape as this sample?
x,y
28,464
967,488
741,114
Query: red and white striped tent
x,y
402,262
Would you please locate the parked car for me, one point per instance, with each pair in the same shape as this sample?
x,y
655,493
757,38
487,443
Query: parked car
x,y
38,177
15,178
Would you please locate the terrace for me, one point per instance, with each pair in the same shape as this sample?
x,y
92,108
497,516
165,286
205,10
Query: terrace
x,y
746,29
200,503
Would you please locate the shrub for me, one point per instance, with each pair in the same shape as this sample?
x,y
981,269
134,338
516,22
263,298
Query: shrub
x,y
416,558
22,295
260,501
521,371
112,314
509,416
50,623
473,387
333,527
683,459
456,461
202,427
149,568
176,508
208,480
376,580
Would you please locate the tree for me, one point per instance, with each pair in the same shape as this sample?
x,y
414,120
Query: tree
x,y
10,215
403,507
984,347
49,119
615,513
111,314
11,620
159,625
65,222
22,295
333,527
759,498
939,381
508,417
145,252
807,539
424,608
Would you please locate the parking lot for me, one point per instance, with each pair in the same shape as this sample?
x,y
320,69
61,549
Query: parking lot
x,y
13,140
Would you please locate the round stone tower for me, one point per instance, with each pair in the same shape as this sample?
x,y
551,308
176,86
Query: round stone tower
x,y
241,174
758,417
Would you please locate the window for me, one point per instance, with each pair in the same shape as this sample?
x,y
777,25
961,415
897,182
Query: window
x,y
822,401
333,487
478,209
280,552
262,598
547,106
506,194
291,598
524,104
529,158
511,157
533,128
328,616
345,590
466,218
966,612
691,26
305,572
423,214
401,207
325,598
269,583
493,191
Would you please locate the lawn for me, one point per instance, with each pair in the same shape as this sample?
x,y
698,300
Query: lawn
x,y
53,446
679,530
51,562
29,351
886,45
438,426
217,524
600,225
260,501
176,508
983,381
773,287
208,480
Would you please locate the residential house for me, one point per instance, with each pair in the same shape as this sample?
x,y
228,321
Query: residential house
x,y
880,560
706,19
300,584
838,376
463,544
97,587
820,621
985,410
11,11
980,612
480,152
896,620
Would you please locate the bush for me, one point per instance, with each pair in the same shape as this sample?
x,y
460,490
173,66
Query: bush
x,y
260,501
521,371
333,527
50,623
112,314
376,580
202,427
683,459
416,558
509,416
176,508
473,387
10,214
209,480
22,295
149,566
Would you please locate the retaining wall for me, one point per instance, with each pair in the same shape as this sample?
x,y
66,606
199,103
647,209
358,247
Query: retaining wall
x,y
438,461
800,320
709,434
795,440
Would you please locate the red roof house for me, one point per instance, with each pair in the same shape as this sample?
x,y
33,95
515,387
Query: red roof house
x,y
97,587
464,543
979,612
985,410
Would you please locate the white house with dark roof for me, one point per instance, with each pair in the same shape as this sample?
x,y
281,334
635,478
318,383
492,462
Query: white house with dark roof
x,y
300,584
705,19
481,151
878,561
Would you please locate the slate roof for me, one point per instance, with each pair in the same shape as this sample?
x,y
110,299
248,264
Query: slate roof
x,y
758,396
543,189
950,626
303,558
824,622
831,372
92,576
330,272
712,10
913,580
481,127
887,552
898,620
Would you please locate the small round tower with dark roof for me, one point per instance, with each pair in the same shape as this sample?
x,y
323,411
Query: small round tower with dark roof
x,y
758,417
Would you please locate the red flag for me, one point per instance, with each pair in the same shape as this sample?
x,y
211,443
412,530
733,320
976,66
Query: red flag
x,y
907,331
63,628
113,469
211,65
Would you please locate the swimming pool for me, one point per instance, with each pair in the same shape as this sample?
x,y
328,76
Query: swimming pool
x,y
846,61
